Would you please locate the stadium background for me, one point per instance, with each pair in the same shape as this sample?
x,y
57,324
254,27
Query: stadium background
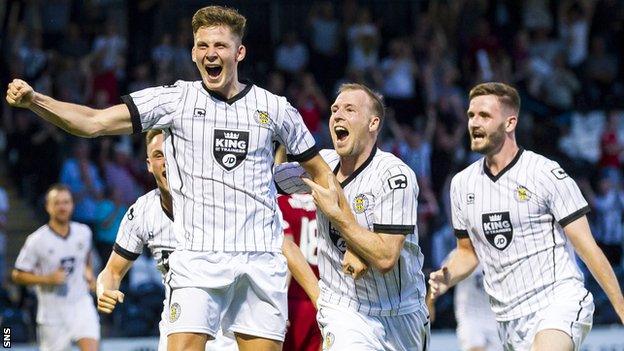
x,y
564,56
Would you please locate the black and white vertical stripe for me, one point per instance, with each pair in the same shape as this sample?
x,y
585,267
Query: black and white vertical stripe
x,y
520,278
218,209
145,223
386,210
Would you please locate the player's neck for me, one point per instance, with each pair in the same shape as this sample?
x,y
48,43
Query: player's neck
x,y
60,228
349,164
166,201
231,89
498,160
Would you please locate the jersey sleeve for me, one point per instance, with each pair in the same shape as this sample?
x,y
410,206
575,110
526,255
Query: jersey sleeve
x,y
562,195
295,136
28,256
130,237
153,108
459,224
287,178
395,210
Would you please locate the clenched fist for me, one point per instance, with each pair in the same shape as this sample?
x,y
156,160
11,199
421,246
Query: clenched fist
x,y
108,299
19,94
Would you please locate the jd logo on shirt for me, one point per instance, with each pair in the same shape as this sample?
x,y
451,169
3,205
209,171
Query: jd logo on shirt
x,y
337,239
230,147
497,229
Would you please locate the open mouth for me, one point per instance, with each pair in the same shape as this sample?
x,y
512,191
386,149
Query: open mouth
x,y
341,133
478,135
214,71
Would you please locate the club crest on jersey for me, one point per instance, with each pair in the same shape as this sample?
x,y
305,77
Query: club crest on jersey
x,y
174,312
263,118
360,203
230,147
522,194
498,229
329,340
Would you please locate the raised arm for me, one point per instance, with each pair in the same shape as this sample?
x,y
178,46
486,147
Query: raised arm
x,y
108,281
300,269
76,119
581,238
459,266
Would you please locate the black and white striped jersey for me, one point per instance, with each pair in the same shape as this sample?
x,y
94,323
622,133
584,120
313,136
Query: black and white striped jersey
x,y
219,161
146,223
383,196
515,222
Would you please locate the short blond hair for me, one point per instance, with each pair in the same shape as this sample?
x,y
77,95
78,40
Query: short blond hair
x,y
211,16
507,95
375,98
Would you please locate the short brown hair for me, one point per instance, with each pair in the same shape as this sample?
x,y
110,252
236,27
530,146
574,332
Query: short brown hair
x,y
151,134
507,95
57,187
210,16
375,98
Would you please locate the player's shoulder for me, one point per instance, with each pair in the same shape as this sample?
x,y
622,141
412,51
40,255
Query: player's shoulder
x,y
544,167
39,234
330,156
386,163
80,229
146,200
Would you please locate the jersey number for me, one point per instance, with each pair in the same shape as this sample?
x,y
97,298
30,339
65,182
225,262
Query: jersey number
x,y
308,241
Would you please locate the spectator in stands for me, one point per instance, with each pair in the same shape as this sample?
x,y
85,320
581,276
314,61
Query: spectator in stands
x,y
364,39
600,71
611,148
291,56
81,176
574,30
110,212
311,103
608,205
110,47
399,72
118,174
325,37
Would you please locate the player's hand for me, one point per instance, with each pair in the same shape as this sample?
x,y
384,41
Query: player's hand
x,y
431,306
439,282
108,299
57,277
19,94
326,199
353,265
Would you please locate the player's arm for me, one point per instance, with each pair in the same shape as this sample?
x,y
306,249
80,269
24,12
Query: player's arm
x,y
377,249
28,278
76,119
459,266
581,238
108,281
300,269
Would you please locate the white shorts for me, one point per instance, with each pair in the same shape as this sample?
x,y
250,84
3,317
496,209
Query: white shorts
x,y
571,312
345,329
238,292
81,322
219,343
478,332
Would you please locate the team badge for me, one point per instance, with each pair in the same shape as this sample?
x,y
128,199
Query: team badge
x,y
262,117
522,194
470,199
230,147
498,229
360,203
174,312
329,340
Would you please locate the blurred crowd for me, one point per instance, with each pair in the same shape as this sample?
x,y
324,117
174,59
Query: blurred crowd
x,y
565,58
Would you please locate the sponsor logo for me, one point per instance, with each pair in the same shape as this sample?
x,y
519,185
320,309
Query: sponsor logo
x,y
360,203
559,173
174,312
522,194
398,181
497,229
470,198
262,117
199,112
337,239
230,147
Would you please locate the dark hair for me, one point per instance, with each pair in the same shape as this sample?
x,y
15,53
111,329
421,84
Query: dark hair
x,y
219,15
507,95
